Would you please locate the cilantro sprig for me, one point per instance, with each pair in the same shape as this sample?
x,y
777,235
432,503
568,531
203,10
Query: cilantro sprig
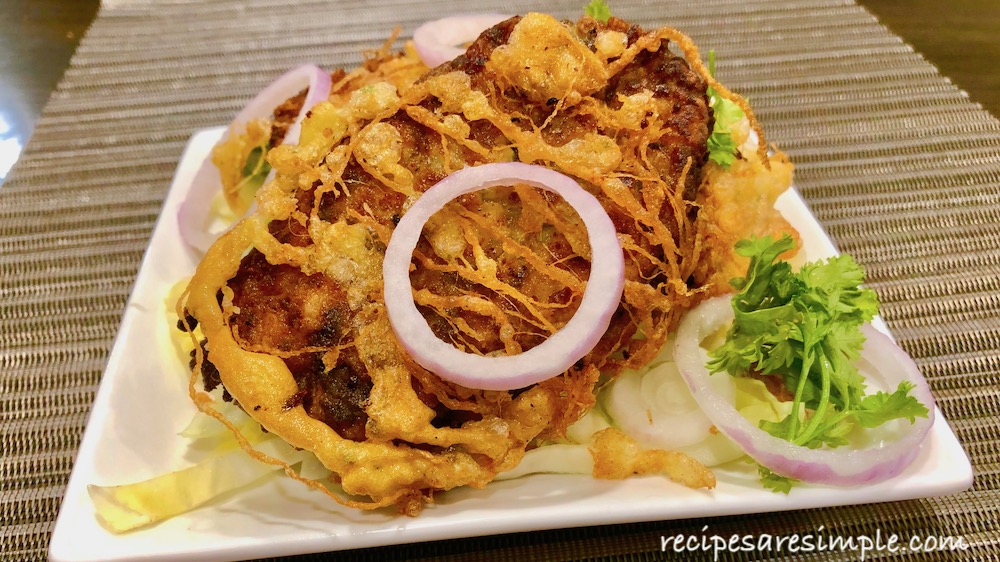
x,y
598,10
722,148
804,327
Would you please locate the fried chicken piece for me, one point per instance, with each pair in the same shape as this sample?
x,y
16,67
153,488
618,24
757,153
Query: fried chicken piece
x,y
290,299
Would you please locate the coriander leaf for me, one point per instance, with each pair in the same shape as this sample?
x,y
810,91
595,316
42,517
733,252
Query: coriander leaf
x,y
841,347
767,284
881,407
833,287
779,428
775,482
598,10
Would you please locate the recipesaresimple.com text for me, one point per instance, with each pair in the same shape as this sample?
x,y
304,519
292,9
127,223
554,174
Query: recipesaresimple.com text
x,y
820,540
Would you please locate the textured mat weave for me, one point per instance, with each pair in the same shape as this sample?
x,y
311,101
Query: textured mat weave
x,y
899,166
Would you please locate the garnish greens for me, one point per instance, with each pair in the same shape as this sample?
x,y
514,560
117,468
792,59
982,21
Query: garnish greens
x,y
775,482
804,327
721,146
255,170
598,10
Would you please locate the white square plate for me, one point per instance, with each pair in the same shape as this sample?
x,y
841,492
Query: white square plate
x,y
142,405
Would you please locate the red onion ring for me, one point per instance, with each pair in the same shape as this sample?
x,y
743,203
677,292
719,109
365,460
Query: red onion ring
x,y
305,77
437,41
839,467
193,215
557,353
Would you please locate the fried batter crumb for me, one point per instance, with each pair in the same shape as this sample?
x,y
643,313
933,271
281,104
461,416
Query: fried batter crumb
x,y
618,456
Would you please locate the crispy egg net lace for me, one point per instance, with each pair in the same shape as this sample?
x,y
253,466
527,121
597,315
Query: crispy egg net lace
x,y
288,303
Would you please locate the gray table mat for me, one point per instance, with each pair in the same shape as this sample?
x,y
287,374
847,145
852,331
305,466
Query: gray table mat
x,y
896,162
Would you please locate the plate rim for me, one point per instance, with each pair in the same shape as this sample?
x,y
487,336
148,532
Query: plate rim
x,y
75,502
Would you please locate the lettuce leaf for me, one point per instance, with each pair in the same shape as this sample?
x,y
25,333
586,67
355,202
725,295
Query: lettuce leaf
x,y
131,506
722,149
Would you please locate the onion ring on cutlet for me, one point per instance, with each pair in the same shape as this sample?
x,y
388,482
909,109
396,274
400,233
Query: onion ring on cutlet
x,y
560,350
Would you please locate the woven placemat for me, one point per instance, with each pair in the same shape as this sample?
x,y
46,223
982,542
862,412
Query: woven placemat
x,y
899,166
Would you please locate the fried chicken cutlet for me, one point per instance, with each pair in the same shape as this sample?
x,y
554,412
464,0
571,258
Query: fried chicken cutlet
x,y
289,301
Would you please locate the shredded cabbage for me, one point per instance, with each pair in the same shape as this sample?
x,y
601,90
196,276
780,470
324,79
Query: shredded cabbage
x,y
131,506
557,458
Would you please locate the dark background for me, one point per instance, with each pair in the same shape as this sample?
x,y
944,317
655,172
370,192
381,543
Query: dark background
x,y
38,37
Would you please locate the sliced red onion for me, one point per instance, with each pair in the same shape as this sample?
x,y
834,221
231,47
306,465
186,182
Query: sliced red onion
x,y
194,219
548,359
882,362
194,215
307,77
439,41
